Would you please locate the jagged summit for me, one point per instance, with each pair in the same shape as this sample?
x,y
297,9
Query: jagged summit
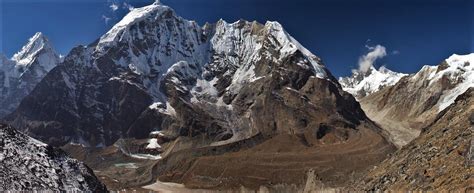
x,y
151,48
19,75
364,83
35,44
136,15
129,31
157,2
456,75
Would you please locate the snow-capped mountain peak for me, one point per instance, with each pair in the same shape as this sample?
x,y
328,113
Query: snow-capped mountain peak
x,y
35,44
119,30
363,83
151,39
456,75
19,75
290,46
166,58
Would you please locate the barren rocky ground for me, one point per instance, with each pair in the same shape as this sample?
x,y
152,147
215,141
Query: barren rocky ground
x,y
439,159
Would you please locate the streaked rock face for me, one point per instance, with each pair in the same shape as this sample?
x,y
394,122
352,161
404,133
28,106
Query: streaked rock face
x,y
30,165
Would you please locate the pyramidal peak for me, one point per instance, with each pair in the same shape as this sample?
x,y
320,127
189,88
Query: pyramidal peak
x,y
134,16
20,74
35,44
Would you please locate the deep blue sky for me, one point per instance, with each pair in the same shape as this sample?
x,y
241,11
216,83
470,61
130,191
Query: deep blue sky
x,y
420,31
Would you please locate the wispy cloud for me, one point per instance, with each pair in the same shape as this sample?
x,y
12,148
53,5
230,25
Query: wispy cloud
x,y
114,7
106,19
127,6
366,61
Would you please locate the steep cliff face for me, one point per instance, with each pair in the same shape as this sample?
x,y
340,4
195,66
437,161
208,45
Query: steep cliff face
x,y
30,165
19,75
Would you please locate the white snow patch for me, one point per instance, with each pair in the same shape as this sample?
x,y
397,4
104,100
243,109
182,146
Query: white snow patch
x,y
155,105
153,144
159,133
376,80
134,16
291,45
145,156
461,67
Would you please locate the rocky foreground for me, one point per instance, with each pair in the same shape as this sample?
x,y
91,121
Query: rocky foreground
x,y
441,158
30,165
414,102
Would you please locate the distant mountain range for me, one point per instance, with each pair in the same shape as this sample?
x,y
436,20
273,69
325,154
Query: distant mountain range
x,y
416,100
364,83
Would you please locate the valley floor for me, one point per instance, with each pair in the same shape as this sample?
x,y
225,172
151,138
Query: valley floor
x,y
168,187
400,133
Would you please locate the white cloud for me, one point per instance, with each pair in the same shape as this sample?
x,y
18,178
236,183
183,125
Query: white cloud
x,y
106,19
367,61
395,52
114,7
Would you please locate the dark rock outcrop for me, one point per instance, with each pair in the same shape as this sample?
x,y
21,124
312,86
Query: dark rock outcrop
x,y
30,165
